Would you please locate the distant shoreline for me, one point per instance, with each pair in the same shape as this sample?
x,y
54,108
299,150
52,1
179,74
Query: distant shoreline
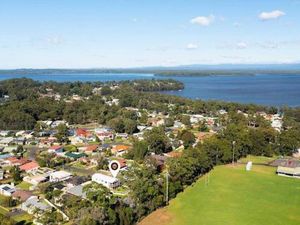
x,y
153,72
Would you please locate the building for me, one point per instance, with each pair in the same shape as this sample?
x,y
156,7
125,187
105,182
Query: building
x,y
288,171
287,167
119,149
89,149
7,189
6,141
37,179
30,167
105,180
76,180
56,149
14,161
75,155
35,204
22,195
59,176
104,134
77,191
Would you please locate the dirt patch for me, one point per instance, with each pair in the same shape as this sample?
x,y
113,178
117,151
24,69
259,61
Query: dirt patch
x,y
160,216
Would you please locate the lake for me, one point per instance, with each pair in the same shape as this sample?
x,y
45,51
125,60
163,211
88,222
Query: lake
x,y
266,89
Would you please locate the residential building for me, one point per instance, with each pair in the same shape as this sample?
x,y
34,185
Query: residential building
x,y
119,150
22,195
7,189
34,204
59,176
56,149
105,180
30,167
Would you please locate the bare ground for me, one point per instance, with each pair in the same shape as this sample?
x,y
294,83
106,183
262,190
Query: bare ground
x,y
160,216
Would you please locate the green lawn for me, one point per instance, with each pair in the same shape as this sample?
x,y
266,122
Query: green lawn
x,y
24,185
237,197
23,217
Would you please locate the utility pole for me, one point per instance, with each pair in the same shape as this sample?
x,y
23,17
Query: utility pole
x,y
167,187
233,143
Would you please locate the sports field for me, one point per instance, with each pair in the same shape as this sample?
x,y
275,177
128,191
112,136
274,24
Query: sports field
x,y
234,196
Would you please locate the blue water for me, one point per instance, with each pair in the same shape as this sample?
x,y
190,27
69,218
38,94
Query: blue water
x,y
276,90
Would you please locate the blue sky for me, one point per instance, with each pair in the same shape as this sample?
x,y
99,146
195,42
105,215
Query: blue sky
x,y
130,33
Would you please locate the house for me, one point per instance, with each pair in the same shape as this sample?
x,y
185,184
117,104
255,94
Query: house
x,y
178,124
56,149
77,191
5,156
4,133
22,195
10,148
123,164
287,167
104,134
7,189
105,180
119,150
59,176
83,133
288,171
37,179
196,118
34,204
89,149
14,161
76,180
105,146
58,122
75,155
6,141
46,142
156,122
30,167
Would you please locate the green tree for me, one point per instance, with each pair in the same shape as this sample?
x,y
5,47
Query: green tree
x,y
16,174
187,137
62,133
157,140
130,126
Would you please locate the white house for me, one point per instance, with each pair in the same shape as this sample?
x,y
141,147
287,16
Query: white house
x,y
105,180
7,189
33,204
59,176
6,141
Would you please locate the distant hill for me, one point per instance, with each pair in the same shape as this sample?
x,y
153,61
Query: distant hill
x,y
183,70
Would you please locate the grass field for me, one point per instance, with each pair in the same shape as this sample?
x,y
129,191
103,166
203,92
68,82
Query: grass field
x,y
235,197
24,185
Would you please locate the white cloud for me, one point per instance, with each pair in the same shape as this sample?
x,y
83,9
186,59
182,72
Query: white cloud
x,y
203,20
55,40
241,45
191,46
270,15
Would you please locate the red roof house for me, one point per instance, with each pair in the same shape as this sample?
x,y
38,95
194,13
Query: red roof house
x,y
30,167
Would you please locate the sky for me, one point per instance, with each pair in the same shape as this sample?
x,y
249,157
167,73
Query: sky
x,y
138,33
